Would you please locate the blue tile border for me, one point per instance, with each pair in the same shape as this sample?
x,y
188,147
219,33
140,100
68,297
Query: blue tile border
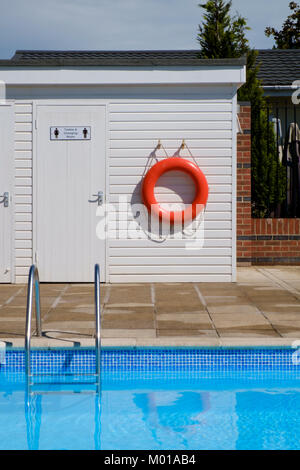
x,y
82,360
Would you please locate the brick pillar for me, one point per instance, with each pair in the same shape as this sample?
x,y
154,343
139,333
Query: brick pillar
x,y
243,222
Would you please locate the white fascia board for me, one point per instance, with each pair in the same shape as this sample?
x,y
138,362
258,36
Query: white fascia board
x,y
234,75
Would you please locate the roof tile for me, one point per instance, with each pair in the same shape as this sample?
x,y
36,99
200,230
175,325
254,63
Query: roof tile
x,y
114,58
279,67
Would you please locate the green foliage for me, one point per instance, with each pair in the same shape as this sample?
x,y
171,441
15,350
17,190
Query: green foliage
x,y
223,36
220,35
268,174
289,36
252,90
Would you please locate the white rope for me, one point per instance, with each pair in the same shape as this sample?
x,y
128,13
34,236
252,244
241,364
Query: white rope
x,y
186,232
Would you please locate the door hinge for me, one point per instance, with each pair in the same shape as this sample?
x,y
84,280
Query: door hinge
x,y
35,124
35,257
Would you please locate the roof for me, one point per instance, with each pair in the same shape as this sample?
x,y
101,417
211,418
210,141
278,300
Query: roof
x,y
279,67
114,58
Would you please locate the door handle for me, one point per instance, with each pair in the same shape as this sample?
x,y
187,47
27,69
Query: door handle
x,y
5,199
99,198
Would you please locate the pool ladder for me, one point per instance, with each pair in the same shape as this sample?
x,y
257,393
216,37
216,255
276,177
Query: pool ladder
x,y
34,285
33,398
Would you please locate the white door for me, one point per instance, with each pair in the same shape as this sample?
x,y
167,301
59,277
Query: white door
x,y
69,171
6,165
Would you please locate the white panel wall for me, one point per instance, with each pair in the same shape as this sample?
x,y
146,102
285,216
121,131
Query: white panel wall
x,y
206,126
135,126
23,190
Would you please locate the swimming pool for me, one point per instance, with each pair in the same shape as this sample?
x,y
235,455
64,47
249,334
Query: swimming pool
x,y
151,398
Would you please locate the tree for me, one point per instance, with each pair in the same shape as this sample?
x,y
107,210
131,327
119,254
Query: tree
x,y
223,36
289,36
220,35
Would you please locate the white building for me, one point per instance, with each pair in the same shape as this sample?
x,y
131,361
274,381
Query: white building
x,y
120,104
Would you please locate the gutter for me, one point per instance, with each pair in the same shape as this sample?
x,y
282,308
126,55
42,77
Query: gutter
x,y
281,87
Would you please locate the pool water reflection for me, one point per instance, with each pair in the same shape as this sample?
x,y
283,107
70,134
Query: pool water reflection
x,y
219,411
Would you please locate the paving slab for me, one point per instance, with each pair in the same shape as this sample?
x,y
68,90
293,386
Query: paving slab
x,y
69,336
294,284
284,273
240,321
274,317
262,307
70,316
275,299
130,294
184,321
117,342
215,300
131,320
61,332
182,341
219,288
184,332
283,309
184,307
140,310
289,333
8,311
77,287
252,276
181,294
15,328
254,342
133,306
65,309
236,332
128,333
284,323
69,325
233,309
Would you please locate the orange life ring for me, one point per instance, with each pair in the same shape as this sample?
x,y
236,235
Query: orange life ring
x,y
177,164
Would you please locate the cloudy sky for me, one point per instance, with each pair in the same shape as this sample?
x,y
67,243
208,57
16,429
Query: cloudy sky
x,y
121,24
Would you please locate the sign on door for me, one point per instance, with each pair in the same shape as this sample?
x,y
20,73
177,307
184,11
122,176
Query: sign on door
x,y
70,133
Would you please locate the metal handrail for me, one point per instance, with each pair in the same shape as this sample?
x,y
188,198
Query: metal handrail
x,y
98,319
33,283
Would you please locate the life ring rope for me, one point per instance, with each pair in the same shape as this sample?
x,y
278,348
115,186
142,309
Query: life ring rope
x,y
153,156
176,162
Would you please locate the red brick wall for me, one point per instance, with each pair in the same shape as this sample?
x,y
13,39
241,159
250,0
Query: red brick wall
x,y
275,241
260,241
243,222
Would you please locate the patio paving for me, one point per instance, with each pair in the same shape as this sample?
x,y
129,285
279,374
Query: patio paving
x,y
262,307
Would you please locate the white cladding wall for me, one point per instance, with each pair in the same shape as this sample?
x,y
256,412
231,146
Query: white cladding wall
x,y
206,126
134,127
23,190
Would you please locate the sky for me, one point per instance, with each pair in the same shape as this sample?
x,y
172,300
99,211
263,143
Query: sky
x,y
121,24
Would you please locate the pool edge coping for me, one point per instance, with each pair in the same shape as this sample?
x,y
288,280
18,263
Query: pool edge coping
x,y
73,343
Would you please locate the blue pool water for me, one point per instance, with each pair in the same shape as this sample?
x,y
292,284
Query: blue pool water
x,y
151,399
